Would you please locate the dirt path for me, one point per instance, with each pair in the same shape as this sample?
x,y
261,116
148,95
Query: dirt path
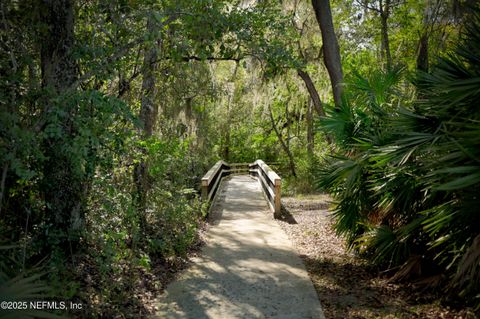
x,y
349,287
247,269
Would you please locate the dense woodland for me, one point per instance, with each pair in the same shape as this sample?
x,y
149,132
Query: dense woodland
x,y
111,112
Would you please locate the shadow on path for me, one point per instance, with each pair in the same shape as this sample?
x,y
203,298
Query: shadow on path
x,y
248,268
286,216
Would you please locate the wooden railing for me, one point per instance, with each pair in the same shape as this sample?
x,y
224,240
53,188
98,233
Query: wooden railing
x,y
269,180
271,184
211,180
239,168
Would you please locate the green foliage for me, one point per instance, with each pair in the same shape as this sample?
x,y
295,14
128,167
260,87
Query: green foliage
x,y
406,177
20,287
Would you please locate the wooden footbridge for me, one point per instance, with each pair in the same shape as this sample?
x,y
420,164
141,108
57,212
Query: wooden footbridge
x,y
247,267
269,180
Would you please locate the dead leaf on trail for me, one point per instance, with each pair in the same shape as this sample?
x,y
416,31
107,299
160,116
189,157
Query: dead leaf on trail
x,y
349,287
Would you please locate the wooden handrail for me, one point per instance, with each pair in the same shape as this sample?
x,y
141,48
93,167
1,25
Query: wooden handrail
x,y
211,180
269,180
271,184
236,168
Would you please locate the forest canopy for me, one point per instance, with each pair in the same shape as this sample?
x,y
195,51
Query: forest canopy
x,y
112,111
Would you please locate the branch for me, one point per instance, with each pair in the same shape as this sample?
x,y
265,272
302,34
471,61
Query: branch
x,y
121,53
138,72
317,102
209,58
364,4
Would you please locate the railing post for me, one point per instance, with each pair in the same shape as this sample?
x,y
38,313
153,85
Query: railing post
x,y
204,189
278,203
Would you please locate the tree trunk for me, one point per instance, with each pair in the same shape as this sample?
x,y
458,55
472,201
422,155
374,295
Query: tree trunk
x,y
310,133
385,12
148,116
317,102
226,149
2,184
315,98
228,124
422,57
149,107
331,50
291,160
62,183
59,69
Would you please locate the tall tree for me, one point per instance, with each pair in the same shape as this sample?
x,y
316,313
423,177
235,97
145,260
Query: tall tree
x,y
148,115
384,9
310,132
302,72
62,184
285,147
312,90
431,15
331,50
